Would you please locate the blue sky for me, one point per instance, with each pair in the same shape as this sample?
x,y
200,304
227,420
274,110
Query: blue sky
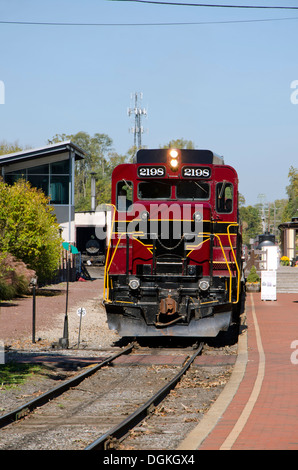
x,y
225,86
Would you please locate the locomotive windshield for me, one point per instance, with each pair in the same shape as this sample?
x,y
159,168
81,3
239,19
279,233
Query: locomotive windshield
x,y
192,190
154,190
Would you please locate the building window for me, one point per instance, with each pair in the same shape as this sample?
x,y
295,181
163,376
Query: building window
x,y
11,178
38,170
40,182
60,168
59,191
52,178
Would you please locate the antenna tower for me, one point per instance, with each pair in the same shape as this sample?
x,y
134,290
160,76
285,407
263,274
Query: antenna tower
x,y
137,130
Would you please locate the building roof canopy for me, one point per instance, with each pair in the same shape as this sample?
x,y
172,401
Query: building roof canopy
x,y
53,149
289,225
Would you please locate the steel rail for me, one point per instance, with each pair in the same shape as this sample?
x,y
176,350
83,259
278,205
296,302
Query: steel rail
x,y
23,410
106,441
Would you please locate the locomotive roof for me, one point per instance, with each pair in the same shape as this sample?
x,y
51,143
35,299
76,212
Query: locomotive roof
x,y
187,156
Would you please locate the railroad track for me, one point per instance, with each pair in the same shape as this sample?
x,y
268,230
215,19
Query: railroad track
x,y
28,407
104,440
115,434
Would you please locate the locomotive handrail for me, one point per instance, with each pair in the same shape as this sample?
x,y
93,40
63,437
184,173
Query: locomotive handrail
x,y
230,273
107,271
223,252
108,250
235,259
107,266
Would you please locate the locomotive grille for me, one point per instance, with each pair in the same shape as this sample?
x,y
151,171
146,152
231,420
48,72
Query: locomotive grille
x,y
169,268
170,252
220,266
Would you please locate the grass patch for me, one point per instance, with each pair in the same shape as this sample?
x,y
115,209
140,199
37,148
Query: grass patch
x,y
14,374
44,292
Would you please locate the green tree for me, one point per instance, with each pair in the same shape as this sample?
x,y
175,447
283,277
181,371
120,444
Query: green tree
x,y
291,209
28,228
241,200
251,223
100,159
6,147
180,144
275,213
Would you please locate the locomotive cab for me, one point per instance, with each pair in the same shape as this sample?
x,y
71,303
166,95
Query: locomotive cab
x,y
173,260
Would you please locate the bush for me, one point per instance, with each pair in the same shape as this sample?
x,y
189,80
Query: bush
x,y
253,275
28,228
14,277
7,292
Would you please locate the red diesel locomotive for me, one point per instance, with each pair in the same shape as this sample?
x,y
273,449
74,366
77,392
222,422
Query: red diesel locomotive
x,y
173,261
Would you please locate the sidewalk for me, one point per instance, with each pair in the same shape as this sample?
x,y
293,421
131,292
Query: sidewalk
x,y
263,412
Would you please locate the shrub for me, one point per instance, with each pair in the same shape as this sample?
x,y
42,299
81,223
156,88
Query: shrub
x,y
14,277
7,292
253,275
28,228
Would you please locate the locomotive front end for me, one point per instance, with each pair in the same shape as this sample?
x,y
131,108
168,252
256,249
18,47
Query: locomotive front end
x,y
169,272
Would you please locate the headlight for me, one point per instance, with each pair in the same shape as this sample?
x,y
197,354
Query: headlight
x,y
204,284
198,216
174,153
144,215
134,283
174,159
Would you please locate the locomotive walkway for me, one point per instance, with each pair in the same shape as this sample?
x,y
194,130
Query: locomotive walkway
x,y
258,409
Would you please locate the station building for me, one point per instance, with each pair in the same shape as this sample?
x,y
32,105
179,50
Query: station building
x,y
52,169
289,239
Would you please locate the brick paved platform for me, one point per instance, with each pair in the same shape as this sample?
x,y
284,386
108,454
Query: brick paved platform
x,y
16,316
258,409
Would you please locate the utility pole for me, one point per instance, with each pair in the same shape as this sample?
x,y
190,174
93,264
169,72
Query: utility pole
x,y
136,110
262,198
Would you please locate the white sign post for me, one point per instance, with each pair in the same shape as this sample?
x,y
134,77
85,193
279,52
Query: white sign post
x,y
81,312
